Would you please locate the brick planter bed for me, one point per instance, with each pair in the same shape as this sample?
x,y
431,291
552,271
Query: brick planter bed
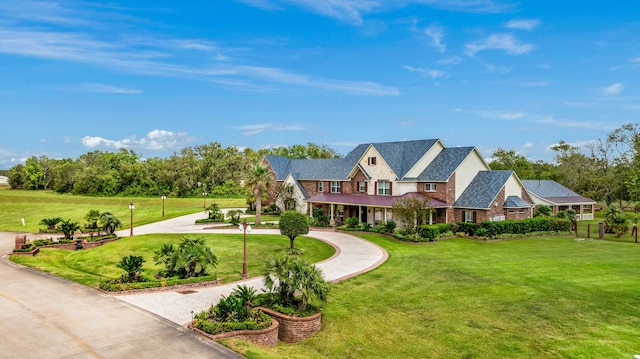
x,y
295,329
266,337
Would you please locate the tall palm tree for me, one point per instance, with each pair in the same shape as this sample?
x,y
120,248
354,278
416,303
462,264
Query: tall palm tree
x,y
259,179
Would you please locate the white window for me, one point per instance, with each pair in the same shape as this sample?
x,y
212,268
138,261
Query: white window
x,y
336,187
371,161
468,216
384,188
320,186
429,187
362,186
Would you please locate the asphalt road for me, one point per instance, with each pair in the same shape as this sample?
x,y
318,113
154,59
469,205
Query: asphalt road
x,y
42,316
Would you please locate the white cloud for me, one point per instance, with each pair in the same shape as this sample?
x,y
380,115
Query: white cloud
x,y
614,89
637,59
429,73
156,140
549,120
435,33
77,47
534,84
500,115
353,11
102,88
506,42
522,24
251,130
453,60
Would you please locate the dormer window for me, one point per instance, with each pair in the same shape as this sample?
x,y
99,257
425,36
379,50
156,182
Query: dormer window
x,y
429,187
371,161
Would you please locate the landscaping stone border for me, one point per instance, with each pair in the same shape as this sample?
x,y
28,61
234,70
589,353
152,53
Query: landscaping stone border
x,y
295,329
265,337
170,288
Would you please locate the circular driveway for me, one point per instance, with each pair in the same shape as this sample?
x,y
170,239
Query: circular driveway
x,y
43,316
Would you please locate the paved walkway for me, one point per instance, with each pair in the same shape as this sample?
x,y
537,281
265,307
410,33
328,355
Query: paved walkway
x,y
353,256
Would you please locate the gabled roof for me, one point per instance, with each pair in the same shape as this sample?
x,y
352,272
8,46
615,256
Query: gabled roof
x,y
315,169
554,192
445,164
515,202
483,189
401,156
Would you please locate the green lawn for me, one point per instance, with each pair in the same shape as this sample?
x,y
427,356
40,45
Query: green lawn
x,y
89,266
533,298
33,206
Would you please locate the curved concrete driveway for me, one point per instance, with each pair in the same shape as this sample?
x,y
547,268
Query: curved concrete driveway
x,y
43,316
353,256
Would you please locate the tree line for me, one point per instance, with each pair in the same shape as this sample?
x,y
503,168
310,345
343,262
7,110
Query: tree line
x,y
219,171
606,170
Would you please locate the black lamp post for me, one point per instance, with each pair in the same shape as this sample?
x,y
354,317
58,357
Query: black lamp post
x,y
131,207
164,196
204,199
245,227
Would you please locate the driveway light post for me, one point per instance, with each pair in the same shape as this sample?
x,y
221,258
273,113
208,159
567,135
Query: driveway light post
x,y
244,227
131,207
164,196
204,199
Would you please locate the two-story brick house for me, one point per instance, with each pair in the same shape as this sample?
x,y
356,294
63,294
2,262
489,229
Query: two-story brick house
x,y
372,177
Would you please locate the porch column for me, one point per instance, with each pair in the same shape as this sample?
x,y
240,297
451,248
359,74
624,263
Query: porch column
x,y
384,214
359,214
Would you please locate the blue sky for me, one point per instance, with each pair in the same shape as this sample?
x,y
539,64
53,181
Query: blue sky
x,y
157,76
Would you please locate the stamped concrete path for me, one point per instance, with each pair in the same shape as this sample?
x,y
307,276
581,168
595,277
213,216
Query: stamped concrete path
x,y
353,256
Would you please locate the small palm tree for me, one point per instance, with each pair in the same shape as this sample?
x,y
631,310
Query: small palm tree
x,y
68,228
93,216
192,258
51,223
260,180
109,222
133,266
296,281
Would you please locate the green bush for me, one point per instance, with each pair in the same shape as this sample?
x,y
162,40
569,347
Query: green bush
x,y
352,222
467,228
430,232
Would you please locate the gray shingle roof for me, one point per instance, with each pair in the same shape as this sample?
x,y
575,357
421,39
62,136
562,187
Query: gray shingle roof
x,y
554,192
548,188
516,202
402,156
445,164
314,169
483,189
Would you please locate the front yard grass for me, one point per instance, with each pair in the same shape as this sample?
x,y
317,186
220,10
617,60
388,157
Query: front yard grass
x,y
532,298
88,267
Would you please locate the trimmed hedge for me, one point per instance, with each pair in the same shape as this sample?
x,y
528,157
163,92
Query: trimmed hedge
x,y
524,226
114,286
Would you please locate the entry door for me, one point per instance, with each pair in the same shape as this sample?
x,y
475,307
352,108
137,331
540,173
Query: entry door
x,y
363,215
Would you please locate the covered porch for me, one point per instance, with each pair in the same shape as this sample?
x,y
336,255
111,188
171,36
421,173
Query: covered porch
x,y
368,209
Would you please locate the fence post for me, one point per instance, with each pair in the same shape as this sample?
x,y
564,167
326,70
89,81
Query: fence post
x,y
588,230
601,231
635,229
